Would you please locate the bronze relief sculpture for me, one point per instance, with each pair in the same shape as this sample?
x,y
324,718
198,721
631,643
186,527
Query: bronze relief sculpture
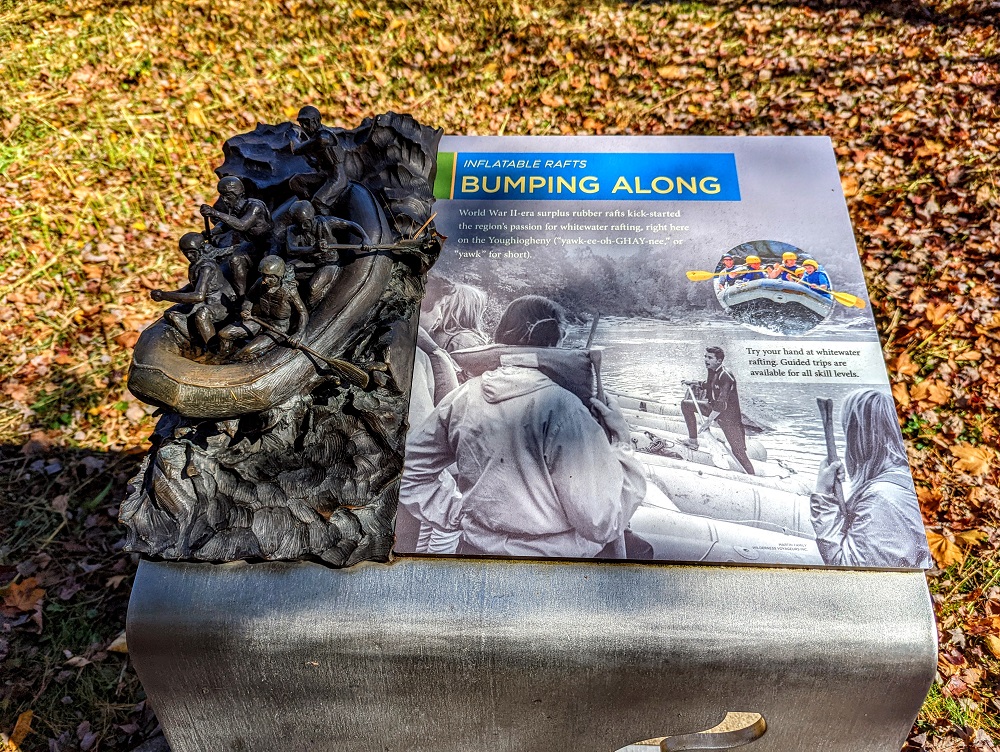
x,y
282,371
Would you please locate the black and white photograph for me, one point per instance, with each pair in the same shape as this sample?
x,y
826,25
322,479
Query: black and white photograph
x,y
694,394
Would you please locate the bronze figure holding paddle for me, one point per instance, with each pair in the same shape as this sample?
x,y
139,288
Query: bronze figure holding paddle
x,y
283,393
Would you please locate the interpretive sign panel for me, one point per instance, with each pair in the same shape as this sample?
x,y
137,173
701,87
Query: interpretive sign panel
x,y
653,348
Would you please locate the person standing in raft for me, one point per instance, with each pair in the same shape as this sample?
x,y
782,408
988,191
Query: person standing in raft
x,y
879,524
718,400
538,474
325,154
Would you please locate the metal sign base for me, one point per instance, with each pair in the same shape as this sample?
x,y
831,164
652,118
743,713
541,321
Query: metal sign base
x,y
510,656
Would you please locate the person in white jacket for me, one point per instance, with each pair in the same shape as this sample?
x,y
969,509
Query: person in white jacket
x,y
537,473
879,524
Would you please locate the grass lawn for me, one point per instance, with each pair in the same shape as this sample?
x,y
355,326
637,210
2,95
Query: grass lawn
x,y
112,115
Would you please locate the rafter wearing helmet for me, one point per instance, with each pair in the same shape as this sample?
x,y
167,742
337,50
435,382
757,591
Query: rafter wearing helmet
x,y
786,269
816,277
325,154
202,295
311,243
272,300
751,270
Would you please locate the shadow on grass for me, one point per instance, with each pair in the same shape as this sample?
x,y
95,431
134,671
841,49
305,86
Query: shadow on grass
x,y
974,12
916,12
64,589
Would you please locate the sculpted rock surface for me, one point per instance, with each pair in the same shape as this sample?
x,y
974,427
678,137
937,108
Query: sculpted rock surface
x,y
283,371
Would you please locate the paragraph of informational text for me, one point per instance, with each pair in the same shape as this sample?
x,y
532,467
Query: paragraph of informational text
x,y
512,233
813,362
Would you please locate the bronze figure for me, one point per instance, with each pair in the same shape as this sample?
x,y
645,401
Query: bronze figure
x,y
324,151
268,307
203,293
284,401
312,241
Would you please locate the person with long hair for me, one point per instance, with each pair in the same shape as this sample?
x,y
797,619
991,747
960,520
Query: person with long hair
x,y
879,524
458,318
538,473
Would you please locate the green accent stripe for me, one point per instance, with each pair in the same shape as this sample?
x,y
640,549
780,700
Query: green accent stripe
x,y
445,174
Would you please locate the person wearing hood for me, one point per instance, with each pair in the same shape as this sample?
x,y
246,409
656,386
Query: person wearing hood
x,y
537,473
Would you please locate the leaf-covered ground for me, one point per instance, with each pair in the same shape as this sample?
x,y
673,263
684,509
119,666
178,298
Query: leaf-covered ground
x,y
111,117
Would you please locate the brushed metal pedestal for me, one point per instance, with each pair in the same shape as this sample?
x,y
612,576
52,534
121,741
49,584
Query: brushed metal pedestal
x,y
463,655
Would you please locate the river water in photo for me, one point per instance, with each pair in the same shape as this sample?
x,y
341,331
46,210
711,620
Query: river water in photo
x,y
648,358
